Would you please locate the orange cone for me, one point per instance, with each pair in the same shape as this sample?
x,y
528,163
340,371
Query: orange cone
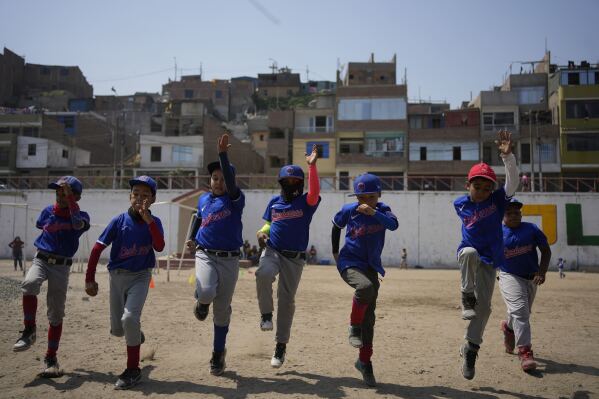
x,y
152,285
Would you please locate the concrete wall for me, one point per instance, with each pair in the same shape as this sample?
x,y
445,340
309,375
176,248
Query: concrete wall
x,y
428,226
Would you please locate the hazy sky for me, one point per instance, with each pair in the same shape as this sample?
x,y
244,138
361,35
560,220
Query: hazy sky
x,y
450,48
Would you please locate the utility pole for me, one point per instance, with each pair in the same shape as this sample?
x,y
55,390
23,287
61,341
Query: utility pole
x,y
531,151
539,152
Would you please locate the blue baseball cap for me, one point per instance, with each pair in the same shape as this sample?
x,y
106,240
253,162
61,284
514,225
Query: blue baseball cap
x,y
76,185
212,166
367,184
291,171
145,180
516,203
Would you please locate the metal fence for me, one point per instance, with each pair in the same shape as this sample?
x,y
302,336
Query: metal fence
x,y
264,182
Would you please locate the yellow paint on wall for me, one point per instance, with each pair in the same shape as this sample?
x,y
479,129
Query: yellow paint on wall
x,y
548,214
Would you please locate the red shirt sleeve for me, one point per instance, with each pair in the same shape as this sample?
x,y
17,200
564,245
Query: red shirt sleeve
x,y
157,238
313,185
94,257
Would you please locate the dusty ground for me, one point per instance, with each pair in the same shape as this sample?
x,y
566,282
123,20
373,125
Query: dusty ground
x,y
417,337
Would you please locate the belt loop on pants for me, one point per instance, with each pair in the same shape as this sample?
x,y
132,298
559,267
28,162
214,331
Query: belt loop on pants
x,y
293,254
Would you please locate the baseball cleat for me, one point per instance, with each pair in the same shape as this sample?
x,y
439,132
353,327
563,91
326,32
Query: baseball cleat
x,y
266,322
200,310
217,363
128,379
51,368
367,372
355,336
469,353
27,339
279,356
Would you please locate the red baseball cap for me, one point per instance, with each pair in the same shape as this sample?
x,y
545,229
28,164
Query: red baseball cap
x,y
482,170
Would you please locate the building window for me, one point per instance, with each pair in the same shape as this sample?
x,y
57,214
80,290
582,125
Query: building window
x,y
384,144
261,137
525,153
351,146
416,122
487,154
530,95
548,153
573,78
4,129
276,133
156,154
4,156
494,120
30,131
597,77
436,123
265,93
372,109
582,142
65,154
582,109
343,180
457,153
69,122
218,94
423,153
188,93
182,153
31,150
321,146
276,162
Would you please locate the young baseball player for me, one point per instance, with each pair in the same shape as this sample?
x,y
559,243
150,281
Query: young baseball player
x,y
359,262
481,250
62,224
560,267
286,236
519,278
216,236
134,236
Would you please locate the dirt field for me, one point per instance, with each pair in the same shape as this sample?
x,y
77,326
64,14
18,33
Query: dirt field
x,y
417,336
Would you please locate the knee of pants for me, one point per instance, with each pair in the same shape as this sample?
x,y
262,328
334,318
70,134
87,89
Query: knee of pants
x,y
264,276
366,294
520,312
206,294
130,321
468,252
30,287
55,316
222,317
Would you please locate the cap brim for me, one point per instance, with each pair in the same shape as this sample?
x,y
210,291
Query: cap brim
x,y
53,186
369,192
482,176
133,182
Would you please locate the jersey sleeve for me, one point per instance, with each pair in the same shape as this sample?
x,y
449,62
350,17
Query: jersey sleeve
x,y
86,221
41,220
110,232
159,224
268,211
540,237
341,218
239,203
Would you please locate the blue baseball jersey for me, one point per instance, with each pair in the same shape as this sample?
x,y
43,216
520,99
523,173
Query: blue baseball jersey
x,y
58,235
131,243
290,222
221,222
364,238
521,246
481,225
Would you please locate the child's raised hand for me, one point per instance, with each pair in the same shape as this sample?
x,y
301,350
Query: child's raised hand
x,y
504,144
365,209
311,159
223,143
144,213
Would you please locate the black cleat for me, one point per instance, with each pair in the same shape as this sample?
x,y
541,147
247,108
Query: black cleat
x,y
469,353
128,379
217,363
200,310
279,356
27,339
51,368
367,372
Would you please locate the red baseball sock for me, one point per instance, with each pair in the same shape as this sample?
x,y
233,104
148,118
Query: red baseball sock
x,y
54,333
365,353
29,310
133,356
358,310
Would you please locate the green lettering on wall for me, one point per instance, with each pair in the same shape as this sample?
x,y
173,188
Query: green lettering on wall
x,y
574,227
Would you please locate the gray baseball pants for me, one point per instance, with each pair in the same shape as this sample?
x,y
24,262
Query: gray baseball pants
x,y
518,295
58,283
272,263
216,278
478,278
128,292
